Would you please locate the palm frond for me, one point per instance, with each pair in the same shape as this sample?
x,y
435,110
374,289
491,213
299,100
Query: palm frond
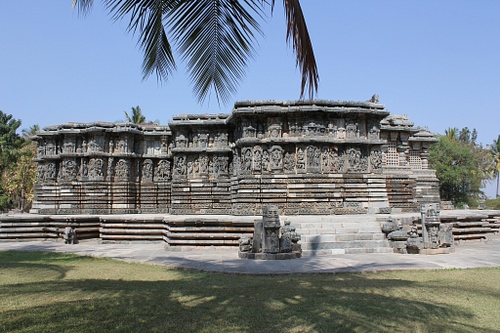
x,y
216,39
146,18
298,34
84,6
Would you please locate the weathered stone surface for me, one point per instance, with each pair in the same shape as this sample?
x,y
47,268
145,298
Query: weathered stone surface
x,y
305,157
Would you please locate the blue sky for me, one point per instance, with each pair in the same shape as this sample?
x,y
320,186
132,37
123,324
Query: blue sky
x,y
436,61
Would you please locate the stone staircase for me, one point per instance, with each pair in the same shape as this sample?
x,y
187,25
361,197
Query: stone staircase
x,y
339,234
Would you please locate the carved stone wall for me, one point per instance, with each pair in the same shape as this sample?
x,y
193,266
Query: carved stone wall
x,y
319,157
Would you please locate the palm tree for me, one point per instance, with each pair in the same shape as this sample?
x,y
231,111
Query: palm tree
x,y
137,116
32,130
215,38
451,133
495,152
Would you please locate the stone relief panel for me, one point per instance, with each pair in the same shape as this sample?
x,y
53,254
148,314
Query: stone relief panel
x,y
95,144
376,161
180,166
257,159
69,146
220,166
46,172
122,170
96,169
289,162
68,170
373,131
276,158
51,148
162,171
313,159
147,170
301,160
356,162
246,160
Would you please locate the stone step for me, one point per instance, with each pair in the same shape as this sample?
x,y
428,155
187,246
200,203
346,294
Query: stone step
x,y
345,244
326,252
342,237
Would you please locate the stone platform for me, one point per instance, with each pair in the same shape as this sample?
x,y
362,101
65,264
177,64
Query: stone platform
x,y
321,235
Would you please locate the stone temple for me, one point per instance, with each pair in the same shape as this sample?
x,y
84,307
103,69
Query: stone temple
x,y
305,157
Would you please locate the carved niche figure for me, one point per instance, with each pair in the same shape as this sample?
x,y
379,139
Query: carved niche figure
x,y
69,170
40,149
47,172
180,165
203,140
246,164
257,158
195,140
334,160
354,159
122,146
301,160
276,158
50,149
111,146
376,160
203,165
313,157
289,162
147,170
95,168
352,130
325,166
249,131
69,146
162,172
181,141
189,165
374,132
220,165
122,170
265,161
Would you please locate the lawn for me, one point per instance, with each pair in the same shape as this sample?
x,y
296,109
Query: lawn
x,y
49,292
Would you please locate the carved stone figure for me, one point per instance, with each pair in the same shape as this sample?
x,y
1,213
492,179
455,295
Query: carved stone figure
x,y
147,170
95,169
122,170
162,172
257,158
69,170
276,158
289,162
376,160
180,165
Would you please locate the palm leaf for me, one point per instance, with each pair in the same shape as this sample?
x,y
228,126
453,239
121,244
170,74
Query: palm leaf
x,y
215,38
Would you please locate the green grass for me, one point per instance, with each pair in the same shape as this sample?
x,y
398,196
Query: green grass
x,y
49,292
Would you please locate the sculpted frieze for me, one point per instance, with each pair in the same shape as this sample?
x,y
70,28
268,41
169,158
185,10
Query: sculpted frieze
x,y
96,169
68,171
147,170
162,171
180,165
122,170
276,158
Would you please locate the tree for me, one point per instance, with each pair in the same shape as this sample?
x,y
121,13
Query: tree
x,y
28,133
137,117
495,157
10,145
18,179
461,165
215,38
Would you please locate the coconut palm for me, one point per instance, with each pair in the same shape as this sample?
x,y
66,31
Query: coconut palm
x,y
495,152
214,37
136,117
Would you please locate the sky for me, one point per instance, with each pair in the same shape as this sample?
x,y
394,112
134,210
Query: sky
x,y
436,61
